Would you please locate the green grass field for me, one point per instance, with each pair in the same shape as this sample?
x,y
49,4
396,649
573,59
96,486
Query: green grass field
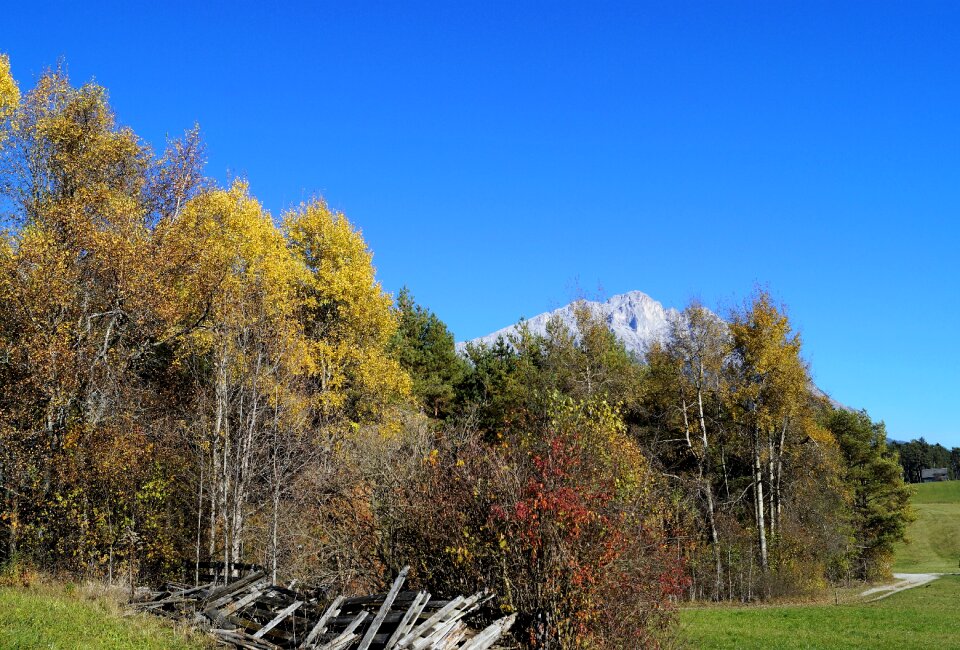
x,y
934,545
927,616
56,618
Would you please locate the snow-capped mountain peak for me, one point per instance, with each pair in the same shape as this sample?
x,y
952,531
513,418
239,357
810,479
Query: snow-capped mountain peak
x,y
634,317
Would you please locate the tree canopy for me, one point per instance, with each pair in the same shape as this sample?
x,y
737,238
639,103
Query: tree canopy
x,y
184,377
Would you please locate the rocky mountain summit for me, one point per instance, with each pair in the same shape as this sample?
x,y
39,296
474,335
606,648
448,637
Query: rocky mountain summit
x,y
637,319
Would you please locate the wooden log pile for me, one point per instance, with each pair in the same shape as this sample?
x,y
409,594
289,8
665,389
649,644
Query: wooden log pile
x,y
250,613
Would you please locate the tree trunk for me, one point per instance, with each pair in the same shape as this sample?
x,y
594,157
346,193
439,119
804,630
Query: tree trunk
x,y
214,497
723,464
779,466
225,506
714,541
772,483
707,480
13,526
196,566
758,500
273,529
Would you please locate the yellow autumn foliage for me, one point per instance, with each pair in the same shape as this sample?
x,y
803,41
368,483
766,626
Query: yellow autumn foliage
x,y
223,261
142,307
348,316
9,94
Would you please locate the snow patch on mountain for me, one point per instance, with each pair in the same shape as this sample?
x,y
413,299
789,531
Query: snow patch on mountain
x,y
634,317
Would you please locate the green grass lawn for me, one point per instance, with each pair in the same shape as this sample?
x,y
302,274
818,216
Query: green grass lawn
x,y
934,545
53,617
927,616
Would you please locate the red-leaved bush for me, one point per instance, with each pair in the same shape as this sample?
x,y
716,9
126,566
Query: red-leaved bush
x,y
564,523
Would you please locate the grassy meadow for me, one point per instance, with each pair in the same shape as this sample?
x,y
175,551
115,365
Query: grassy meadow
x,y
926,616
934,538
67,617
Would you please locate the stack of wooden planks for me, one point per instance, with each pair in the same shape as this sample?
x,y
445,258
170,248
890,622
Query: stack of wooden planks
x,y
250,613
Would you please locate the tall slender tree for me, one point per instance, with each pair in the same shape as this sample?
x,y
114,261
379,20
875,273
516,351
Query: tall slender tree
x,y
769,390
698,344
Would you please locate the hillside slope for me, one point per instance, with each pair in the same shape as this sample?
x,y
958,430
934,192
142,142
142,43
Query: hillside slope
x,y
934,538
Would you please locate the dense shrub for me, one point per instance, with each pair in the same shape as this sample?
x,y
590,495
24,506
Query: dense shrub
x,y
555,522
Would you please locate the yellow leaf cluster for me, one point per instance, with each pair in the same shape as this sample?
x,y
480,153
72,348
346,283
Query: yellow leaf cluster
x,y
348,316
9,93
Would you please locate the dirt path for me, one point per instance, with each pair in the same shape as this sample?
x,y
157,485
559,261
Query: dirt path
x,y
903,581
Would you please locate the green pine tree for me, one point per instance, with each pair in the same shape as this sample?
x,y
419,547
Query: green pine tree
x,y
881,499
426,350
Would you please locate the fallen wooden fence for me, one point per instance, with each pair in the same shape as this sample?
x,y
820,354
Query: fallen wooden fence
x,y
216,572
250,613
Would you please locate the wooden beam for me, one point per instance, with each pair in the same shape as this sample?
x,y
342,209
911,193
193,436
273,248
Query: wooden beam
x,y
384,608
346,637
430,622
234,587
278,619
409,619
321,625
243,602
490,634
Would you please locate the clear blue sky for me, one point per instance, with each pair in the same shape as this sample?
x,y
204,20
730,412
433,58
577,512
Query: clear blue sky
x,y
503,157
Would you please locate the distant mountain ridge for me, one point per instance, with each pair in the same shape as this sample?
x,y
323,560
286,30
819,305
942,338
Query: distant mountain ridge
x,y
634,317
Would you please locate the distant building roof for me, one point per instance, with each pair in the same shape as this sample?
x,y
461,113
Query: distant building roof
x,y
935,472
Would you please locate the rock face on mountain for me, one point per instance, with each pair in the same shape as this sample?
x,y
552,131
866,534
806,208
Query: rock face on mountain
x,y
637,319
